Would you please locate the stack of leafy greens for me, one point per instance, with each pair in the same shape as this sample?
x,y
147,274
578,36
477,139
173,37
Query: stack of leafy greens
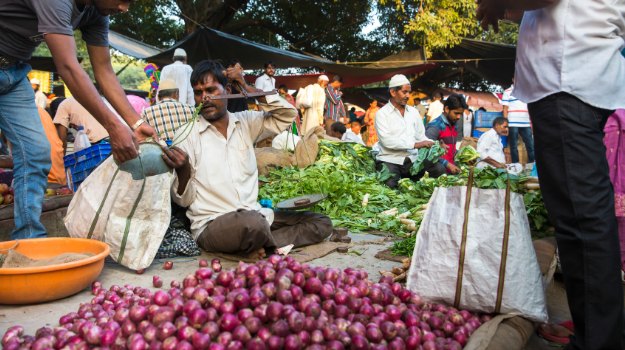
x,y
431,155
358,199
467,155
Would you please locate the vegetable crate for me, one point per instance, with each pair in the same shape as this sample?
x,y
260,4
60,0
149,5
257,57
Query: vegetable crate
x,y
483,119
83,162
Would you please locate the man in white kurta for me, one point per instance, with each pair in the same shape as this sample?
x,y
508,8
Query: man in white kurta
x,y
217,178
313,116
490,147
180,72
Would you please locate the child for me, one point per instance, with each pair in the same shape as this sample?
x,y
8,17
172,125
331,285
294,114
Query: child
x,y
353,133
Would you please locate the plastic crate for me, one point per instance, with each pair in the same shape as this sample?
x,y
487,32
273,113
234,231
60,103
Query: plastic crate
x,y
483,119
83,162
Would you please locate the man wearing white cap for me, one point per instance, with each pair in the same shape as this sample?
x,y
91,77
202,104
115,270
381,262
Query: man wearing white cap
x,y
401,133
313,115
40,98
168,114
180,73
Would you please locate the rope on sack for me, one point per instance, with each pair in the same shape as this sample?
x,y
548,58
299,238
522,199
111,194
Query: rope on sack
x,y
463,244
504,249
97,214
122,247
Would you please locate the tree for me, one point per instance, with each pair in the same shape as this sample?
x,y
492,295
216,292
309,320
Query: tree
x,y
154,22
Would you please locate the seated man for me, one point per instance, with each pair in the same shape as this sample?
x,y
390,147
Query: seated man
x,y
443,129
490,147
72,114
353,133
168,114
217,179
401,134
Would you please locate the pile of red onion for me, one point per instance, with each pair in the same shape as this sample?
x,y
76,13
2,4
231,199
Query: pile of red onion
x,y
274,304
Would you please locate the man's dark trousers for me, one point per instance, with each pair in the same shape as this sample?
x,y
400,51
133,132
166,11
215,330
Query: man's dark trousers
x,y
574,180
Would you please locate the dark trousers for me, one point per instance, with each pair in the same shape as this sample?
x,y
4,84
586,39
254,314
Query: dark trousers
x,y
246,231
528,140
571,160
399,172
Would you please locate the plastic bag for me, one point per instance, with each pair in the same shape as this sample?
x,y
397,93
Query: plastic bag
x,y
304,97
478,256
131,216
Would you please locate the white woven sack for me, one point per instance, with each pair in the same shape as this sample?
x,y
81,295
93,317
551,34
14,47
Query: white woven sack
x,y
131,216
487,280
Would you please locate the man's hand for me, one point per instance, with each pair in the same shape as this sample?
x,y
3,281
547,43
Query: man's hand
x,y
453,169
176,158
144,131
235,73
424,144
124,145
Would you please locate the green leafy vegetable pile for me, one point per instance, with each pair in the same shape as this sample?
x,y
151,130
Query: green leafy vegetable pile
x,y
431,154
359,201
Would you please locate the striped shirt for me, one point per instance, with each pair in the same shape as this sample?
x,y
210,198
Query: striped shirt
x,y
334,108
518,117
167,116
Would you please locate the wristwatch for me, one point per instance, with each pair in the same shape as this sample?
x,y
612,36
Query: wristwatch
x,y
137,124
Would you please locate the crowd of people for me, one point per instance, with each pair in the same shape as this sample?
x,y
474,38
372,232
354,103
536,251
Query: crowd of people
x,y
219,189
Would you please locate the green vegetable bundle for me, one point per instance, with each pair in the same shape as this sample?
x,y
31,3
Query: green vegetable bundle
x,y
467,155
431,154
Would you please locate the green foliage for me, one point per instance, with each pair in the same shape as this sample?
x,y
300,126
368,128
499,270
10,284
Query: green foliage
x,y
431,155
435,24
153,22
467,155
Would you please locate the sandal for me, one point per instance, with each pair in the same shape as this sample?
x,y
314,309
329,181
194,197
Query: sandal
x,y
556,333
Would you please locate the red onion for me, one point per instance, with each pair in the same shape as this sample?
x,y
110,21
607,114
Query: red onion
x,y
235,345
312,285
157,282
373,333
175,284
185,333
284,296
216,346
274,311
296,321
244,314
162,315
224,338
341,297
267,273
280,328
160,298
216,265
275,343
203,263
168,265
128,328
224,278
200,340
96,286
330,332
136,342
299,279
241,334
292,342
255,344
397,344
335,345
211,329
264,334
189,281
228,322
138,313
203,273
227,308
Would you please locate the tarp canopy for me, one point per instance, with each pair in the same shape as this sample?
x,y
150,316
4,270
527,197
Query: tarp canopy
x,y
208,43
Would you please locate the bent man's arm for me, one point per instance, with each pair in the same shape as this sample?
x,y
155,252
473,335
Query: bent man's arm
x,y
63,49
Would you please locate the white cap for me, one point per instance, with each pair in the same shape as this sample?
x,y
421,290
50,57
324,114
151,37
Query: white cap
x,y
323,77
180,53
398,80
35,81
167,84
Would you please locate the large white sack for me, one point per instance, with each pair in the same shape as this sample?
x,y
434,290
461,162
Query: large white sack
x,y
435,264
140,207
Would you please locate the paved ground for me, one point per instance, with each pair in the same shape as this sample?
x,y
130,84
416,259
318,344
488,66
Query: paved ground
x,y
33,317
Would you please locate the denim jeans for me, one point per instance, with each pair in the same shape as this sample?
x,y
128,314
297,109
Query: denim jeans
x,y
528,140
19,121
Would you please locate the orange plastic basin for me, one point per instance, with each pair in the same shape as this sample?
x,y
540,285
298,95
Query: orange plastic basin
x,y
40,284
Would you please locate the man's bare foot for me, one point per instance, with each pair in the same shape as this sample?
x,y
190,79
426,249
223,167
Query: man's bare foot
x,y
257,255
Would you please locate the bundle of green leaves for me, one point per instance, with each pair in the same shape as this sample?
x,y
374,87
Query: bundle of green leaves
x,y
431,154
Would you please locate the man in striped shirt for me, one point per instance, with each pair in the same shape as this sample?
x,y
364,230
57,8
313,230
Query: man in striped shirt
x,y
519,123
168,114
334,109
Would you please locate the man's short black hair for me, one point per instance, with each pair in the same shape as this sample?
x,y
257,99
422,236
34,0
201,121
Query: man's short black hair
x,y
282,86
267,64
499,121
338,127
206,67
437,94
337,78
456,101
